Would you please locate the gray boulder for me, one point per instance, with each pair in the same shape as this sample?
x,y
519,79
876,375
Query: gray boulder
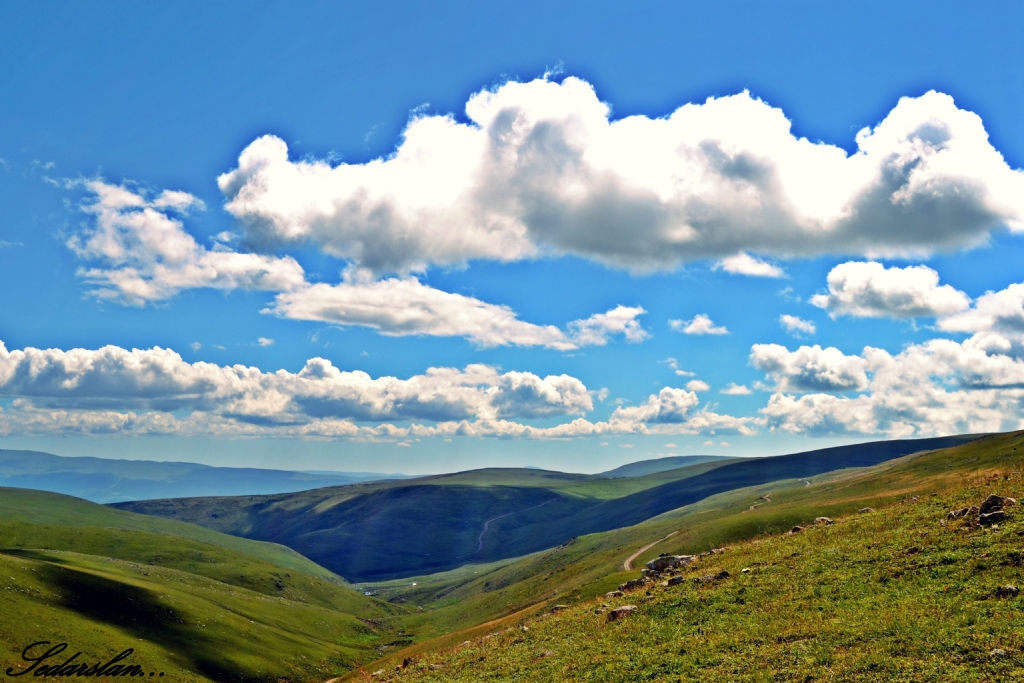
x,y
621,612
660,564
822,520
994,517
632,584
676,580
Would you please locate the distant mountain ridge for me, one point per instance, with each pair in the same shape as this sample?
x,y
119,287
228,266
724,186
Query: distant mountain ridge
x,y
642,467
103,480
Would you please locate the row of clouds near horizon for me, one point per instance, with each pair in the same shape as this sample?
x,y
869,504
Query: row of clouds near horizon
x,y
542,170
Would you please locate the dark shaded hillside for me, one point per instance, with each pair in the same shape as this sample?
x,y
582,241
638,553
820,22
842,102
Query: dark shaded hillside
x,y
104,480
643,467
372,532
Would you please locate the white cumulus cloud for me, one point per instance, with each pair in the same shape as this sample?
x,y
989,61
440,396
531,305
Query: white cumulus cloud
x,y
733,389
796,326
870,290
595,330
112,390
142,252
745,264
938,387
697,385
700,324
809,368
541,167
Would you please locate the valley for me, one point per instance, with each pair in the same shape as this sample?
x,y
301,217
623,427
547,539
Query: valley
x,y
213,606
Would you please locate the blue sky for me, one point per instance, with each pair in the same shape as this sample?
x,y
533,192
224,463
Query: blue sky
x,y
245,233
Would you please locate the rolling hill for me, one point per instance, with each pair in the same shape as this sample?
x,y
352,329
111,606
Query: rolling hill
x,y
899,594
385,530
104,480
195,604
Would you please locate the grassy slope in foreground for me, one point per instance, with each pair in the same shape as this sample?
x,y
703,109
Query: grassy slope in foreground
x,y
196,610
886,581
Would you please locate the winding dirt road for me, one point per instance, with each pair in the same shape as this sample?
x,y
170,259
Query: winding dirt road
x,y
628,564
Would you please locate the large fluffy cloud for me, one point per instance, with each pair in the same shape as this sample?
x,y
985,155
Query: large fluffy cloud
x,y
154,391
541,167
939,387
405,306
809,368
146,255
142,252
870,290
996,317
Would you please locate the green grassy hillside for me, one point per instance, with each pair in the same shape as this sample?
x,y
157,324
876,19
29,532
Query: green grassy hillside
x,y
385,530
76,572
40,507
578,573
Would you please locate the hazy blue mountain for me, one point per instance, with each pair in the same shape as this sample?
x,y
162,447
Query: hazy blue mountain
x,y
642,467
103,480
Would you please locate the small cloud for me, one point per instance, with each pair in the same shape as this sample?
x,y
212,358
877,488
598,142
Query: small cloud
x,y
789,294
601,394
625,445
796,326
363,353
196,346
603,443
745,264
700,324
404,444
227,237
671,362
4,244
709,443
671,445
697,385
733,389
219,347
265,341
725,443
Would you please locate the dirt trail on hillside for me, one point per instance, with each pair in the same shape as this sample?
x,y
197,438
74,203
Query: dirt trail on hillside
x,y
487,524
628,564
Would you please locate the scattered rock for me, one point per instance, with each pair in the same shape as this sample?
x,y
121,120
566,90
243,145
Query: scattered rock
x,y
632,584
663,562
822,520
614,594
722,575
1007,592
524,628
705,579
599,611
914,499
957,514
559,608
621,612
991,503
998,652
713,551
650,574
407,662
992,517
676,580
795,530
746,570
